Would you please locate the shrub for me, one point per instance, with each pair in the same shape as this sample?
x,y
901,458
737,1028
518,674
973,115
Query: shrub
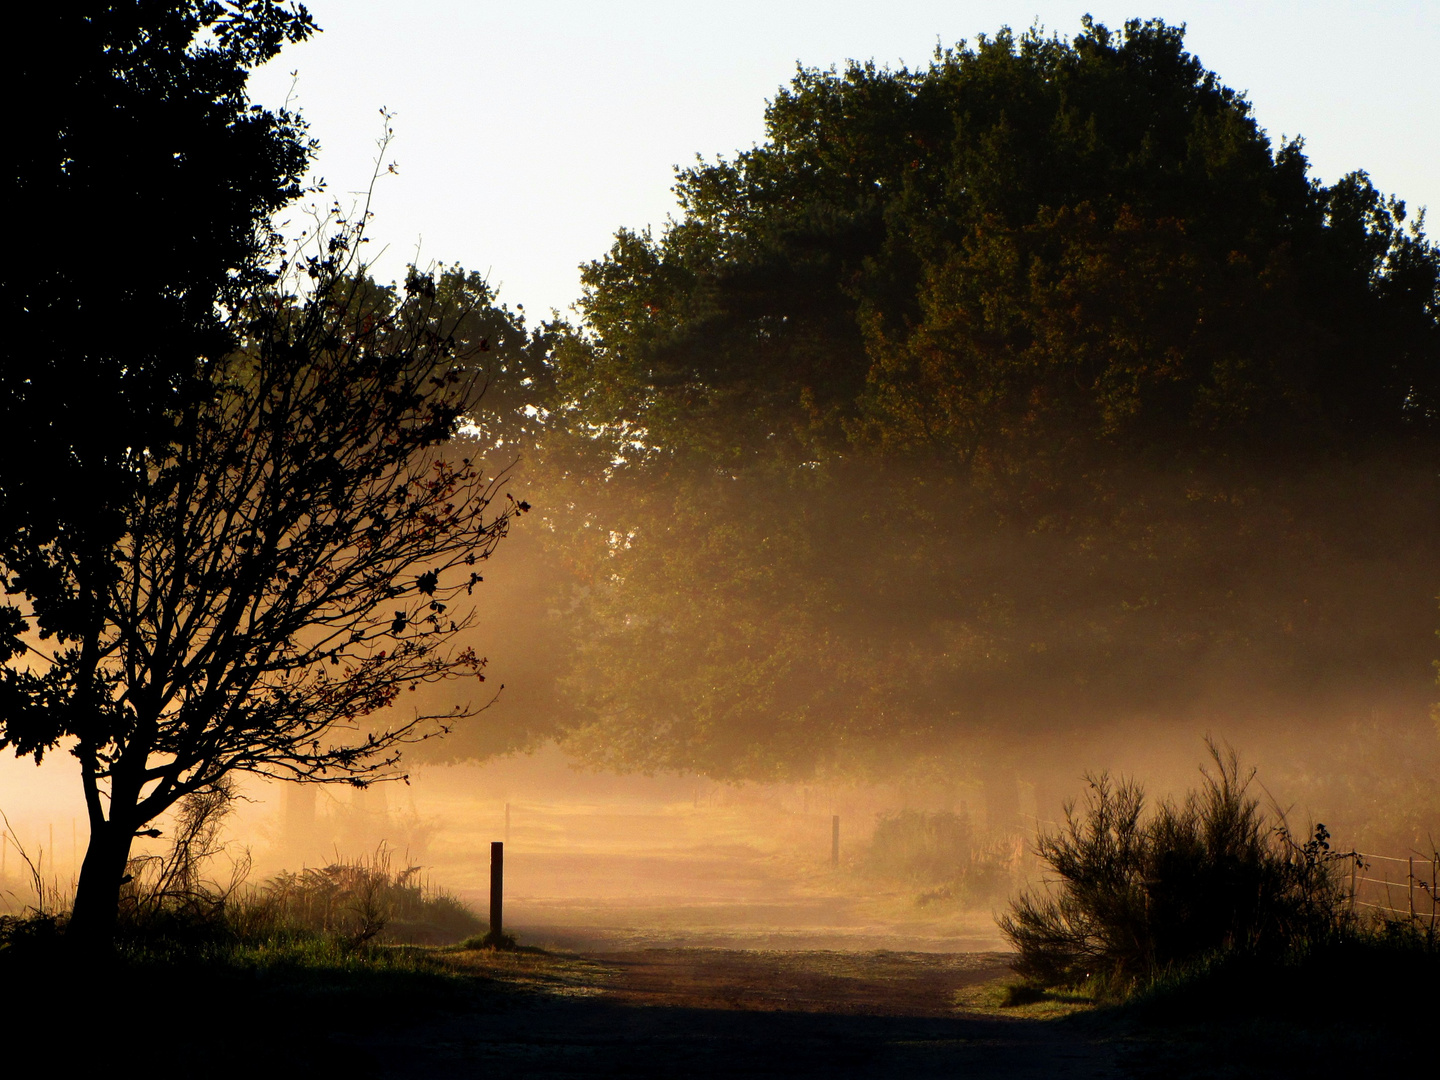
x,y
172,897
172,894
1138,894
359,900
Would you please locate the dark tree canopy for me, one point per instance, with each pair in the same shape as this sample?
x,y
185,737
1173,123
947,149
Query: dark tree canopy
x,y
146,181
1032,248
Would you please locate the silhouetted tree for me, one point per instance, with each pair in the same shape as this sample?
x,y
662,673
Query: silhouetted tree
x,y
287,565
143,183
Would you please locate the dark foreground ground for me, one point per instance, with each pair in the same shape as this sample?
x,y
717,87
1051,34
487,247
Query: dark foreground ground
x,y
688,1013
708,1012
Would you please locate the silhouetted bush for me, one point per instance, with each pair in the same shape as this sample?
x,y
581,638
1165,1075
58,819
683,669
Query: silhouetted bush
x,y
25,935
175,895
1140,895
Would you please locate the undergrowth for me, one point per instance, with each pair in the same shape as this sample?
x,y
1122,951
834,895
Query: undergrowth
x,y
359,900
1219,942
1138,894
942,852
176,904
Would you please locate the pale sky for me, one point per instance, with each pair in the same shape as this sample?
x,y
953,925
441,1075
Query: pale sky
x,y
527,133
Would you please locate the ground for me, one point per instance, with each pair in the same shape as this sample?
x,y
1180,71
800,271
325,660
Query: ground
x,y
697,1012
668,932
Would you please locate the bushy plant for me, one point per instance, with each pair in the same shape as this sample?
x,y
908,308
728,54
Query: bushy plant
x,y
1136,895
176,898
175,893
359,900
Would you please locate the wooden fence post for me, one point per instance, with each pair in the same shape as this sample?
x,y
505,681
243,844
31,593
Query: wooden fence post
x,y
835,840
1433,860
497,889
1410,887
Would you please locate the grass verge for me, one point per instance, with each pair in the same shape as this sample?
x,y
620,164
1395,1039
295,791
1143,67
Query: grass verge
x,y
1365,1001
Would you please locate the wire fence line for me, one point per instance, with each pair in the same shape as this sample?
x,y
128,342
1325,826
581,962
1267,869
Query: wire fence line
x,y
1373,893
1420,876
1392,858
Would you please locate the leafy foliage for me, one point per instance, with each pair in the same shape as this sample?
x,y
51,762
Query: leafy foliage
x,y
1028,248
1137,896
137,146
1034,382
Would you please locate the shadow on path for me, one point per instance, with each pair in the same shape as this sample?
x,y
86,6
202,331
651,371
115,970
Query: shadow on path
x,y
702,1013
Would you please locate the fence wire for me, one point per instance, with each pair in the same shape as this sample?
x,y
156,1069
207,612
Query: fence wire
x,y
1421,871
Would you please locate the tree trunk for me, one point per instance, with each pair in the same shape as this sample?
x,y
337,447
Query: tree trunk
x,y
97,895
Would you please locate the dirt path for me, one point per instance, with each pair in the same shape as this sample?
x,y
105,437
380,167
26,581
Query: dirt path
x,y
842,983
694,1013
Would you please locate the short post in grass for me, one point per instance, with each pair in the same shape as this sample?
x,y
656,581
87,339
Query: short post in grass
x,y
497,889
835,841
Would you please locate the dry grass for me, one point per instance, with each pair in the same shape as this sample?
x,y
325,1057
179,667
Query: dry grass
x,y
358,900
1024,1000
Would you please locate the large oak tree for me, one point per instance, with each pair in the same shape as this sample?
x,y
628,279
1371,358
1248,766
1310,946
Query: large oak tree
x,y
1034,386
